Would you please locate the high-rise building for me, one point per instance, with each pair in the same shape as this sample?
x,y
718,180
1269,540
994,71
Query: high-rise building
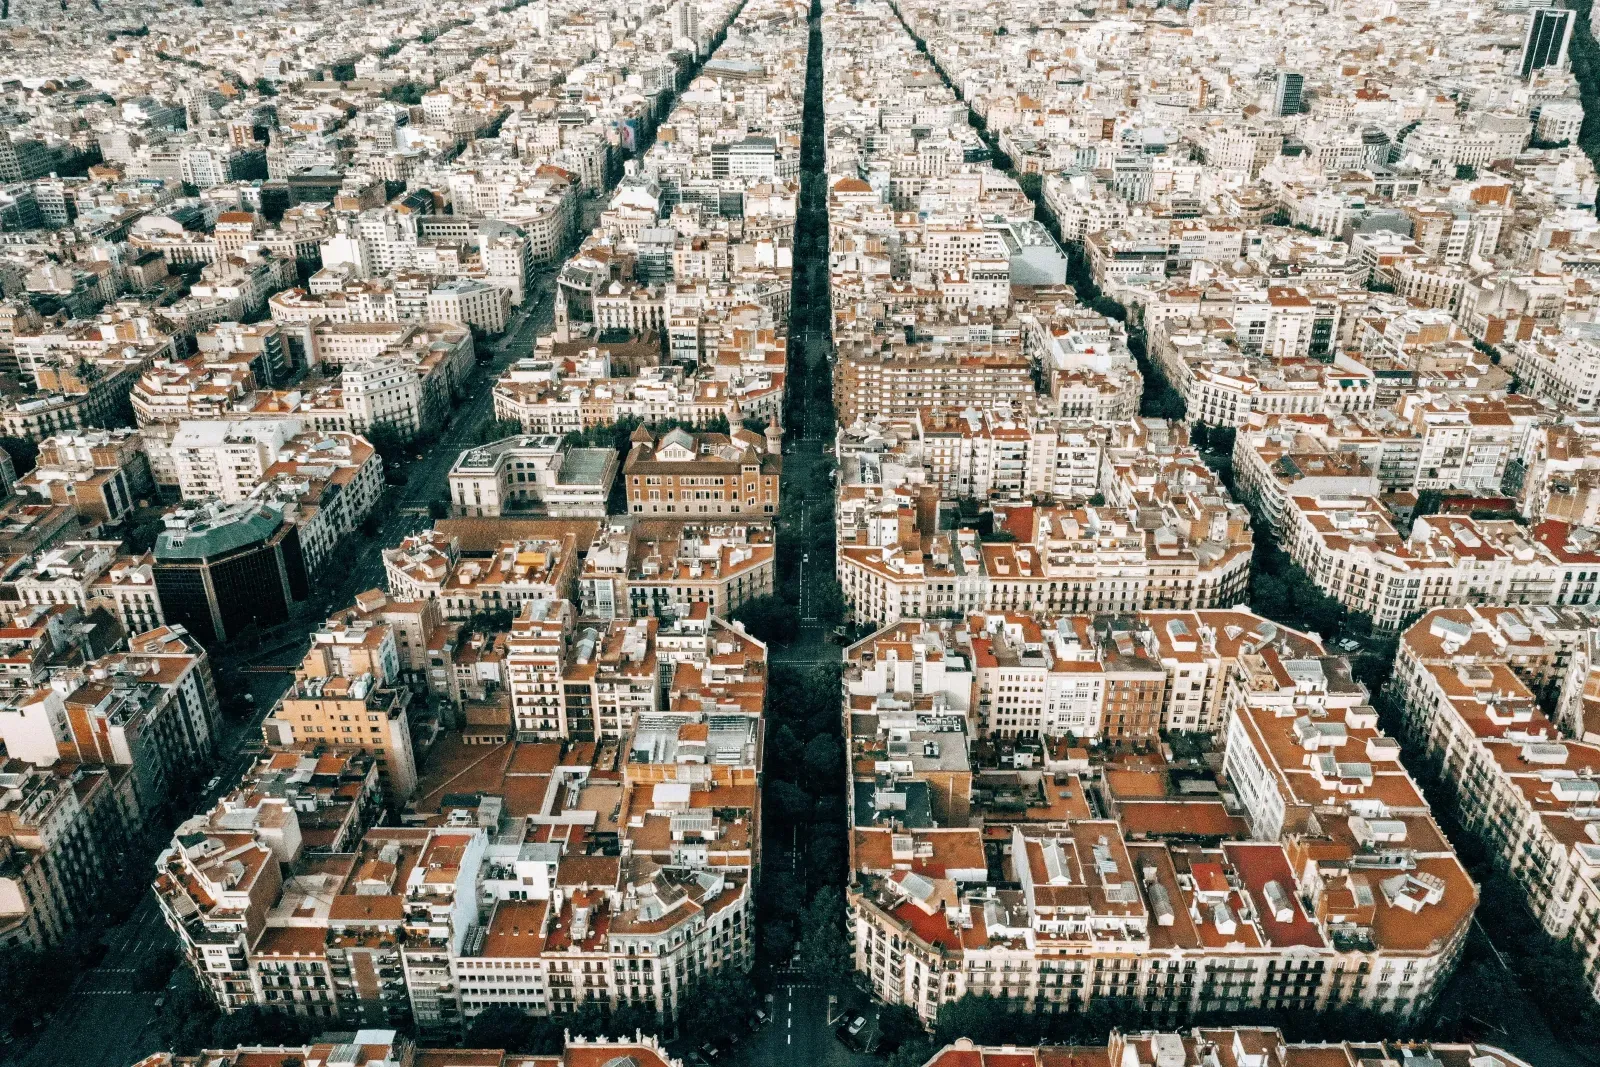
x,y
219,568
23,159
1290,88
1545,44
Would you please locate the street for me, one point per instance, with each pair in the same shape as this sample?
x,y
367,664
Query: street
x,y
799,1032
104,1022
427,477
812,645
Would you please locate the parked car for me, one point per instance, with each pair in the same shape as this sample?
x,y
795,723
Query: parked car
x,y
857,1025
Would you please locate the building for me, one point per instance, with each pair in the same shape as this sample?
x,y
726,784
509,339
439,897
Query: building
x,y
260,346
1286,100
65,573
663,569
222,568
102,474
430,565
60,827
1244,1046
696,475
227,459
1157,880
1351,547
1468,684
1545,43
533,475
383,1047
152,709
874,380
346,696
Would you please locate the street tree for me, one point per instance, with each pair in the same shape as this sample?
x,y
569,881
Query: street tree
x,y
718,1004
824,953
500,1026
824,760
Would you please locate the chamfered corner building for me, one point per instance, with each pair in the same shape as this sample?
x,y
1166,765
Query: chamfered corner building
x,y
219,568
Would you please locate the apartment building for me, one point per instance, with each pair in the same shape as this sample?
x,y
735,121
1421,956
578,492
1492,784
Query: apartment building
x,y
129,585
1558,475
1468,445
59,829
1151,894
227,459
1279,461
973,453
152,709
1021,676
874,378
536,656
1351,548
413,622
610,683
345,465
1563,365
580,682
430,565
1467,684
170,391
403,376
259,347
507,898
665,569
346,695
1227,375
1089,559
63,406
1245,1046
103,475
1165,535
546,397
65,573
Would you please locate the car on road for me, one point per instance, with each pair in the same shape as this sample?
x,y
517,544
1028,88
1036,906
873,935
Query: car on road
x,y
213,783
709,1051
